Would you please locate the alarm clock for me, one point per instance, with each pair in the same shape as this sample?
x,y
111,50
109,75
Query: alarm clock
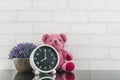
x,y
44,59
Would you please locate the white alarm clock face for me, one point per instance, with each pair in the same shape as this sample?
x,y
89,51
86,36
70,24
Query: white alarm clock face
x,y
44,58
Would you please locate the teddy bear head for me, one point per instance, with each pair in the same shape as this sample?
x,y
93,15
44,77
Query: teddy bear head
x,y
55,40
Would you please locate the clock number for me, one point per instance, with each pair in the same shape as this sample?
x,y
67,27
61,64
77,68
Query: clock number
x,y
45,67
37,54
50,67
37,63
54,58
35,58
40,67
40,50
49,50
52,54
52,62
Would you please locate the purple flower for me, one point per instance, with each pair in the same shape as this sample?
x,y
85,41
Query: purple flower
x,y
22,50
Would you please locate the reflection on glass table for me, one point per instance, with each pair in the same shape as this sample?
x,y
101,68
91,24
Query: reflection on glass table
x,y
58,76
77,75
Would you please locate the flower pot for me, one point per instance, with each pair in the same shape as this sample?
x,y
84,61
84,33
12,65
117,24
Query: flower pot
x,y
22,64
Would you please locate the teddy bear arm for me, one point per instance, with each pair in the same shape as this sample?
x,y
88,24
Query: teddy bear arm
x,y
67,55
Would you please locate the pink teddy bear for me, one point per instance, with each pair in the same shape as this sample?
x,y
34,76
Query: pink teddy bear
x,y
58,41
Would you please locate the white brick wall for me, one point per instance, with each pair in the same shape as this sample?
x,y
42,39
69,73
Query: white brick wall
x,y
114,28
32,16
92,27
7,40
104,16
50,4
89,28
51,28
113,4
10,28
15,4
114,53
69,16
89,53
87,4
7,16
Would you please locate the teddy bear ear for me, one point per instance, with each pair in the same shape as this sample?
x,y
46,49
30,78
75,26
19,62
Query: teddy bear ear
x,y
63,37
44,38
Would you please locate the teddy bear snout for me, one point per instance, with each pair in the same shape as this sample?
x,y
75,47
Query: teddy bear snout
x,y
55,41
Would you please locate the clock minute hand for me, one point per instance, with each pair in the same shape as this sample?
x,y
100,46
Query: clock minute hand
x,y
45,54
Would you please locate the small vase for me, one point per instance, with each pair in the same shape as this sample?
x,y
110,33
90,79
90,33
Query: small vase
x,y
22,64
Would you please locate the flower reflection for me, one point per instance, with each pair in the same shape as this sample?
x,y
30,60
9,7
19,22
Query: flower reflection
x,y
24,76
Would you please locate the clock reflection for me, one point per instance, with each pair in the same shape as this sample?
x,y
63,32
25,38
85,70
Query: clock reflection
x,y
58,76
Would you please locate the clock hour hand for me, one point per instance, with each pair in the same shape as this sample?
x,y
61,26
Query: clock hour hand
x,y
42,60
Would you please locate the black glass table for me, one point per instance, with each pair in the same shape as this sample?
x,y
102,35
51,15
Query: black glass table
x,y
76,75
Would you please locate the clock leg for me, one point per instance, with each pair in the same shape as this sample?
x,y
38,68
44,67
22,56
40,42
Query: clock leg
x,y
54,72
37,72
54,76
36,77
